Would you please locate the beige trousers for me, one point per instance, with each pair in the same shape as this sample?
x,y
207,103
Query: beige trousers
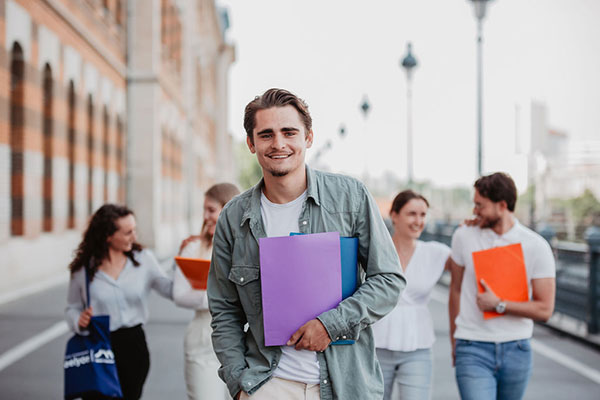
x,y
278,389
201,364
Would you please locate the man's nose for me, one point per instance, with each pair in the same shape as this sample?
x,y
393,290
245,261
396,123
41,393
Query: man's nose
x,y
278,141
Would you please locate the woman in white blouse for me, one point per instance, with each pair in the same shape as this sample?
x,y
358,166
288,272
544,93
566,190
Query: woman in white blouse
x,y
201,364
404,337
121,275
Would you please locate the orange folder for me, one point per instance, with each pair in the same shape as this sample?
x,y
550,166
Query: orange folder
x,y
503,269
195,270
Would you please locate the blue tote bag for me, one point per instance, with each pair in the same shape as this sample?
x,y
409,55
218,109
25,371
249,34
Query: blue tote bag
x,y
89,365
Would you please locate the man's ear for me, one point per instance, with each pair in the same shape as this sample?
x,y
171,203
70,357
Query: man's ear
x,y
250,145
503,206
309,139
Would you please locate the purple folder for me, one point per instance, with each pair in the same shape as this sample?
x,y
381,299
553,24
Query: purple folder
x,y
300,279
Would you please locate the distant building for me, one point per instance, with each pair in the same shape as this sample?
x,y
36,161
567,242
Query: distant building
x,y
576,168
106,101
178,64
559,167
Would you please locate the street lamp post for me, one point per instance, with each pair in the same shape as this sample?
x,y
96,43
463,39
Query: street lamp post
x,y
480,8
409,62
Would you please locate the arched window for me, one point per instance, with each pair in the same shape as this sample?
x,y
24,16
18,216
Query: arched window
x,y
71,154
17,123
105,151
47,122
90,153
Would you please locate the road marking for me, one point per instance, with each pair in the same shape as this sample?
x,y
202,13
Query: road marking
x,y
566,361
16,353
441,296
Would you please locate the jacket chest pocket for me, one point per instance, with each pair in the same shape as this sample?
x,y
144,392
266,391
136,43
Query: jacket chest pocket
x,y
247,280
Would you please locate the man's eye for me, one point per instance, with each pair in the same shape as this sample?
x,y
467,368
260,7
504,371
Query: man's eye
x,y
290,133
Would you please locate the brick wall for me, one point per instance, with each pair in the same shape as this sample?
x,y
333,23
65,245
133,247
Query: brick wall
x,y
62,136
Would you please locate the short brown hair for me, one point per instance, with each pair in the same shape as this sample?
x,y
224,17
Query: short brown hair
x,y
275,98
404,197
497,187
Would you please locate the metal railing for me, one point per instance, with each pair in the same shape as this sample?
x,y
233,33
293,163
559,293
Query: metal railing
x,y
577,271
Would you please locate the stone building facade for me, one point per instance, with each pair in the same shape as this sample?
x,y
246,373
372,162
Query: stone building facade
x,y
106,101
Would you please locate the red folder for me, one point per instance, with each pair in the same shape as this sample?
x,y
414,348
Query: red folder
x,y
503,269
195,270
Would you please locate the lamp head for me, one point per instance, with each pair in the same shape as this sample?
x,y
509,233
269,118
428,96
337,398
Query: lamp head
x,y
480,8
409,61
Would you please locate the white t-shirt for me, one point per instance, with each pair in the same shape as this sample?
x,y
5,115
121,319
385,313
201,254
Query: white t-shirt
x,y
539,263
409,326
281,220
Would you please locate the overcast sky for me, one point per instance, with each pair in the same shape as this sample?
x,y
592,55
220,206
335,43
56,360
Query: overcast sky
x,y
333,52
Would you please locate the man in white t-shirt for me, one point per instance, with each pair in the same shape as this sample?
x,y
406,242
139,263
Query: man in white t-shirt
x,y
492,357
292,197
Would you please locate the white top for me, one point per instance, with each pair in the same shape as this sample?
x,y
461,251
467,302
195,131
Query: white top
x,y
539,263
184,294
123,299
409,326
281,220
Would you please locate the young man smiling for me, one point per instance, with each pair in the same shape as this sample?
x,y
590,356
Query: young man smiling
x,y
292,197
493,357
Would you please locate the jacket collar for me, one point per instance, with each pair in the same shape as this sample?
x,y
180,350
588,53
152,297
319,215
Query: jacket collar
x,y
252,210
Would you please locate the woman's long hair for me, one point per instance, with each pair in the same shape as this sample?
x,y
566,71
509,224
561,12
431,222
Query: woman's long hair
x,y
93,249
221,193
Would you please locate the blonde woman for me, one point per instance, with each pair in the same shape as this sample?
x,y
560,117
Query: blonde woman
x,y
201,364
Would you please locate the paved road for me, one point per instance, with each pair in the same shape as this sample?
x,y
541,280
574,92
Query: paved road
x,y
39,374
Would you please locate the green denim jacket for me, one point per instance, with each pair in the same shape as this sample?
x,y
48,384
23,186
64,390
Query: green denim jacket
x,y
334,203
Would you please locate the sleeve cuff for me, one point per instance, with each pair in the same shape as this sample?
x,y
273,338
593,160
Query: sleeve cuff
x,y
336,327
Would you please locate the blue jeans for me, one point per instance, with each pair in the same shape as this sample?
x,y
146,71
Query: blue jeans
x,y
406,374
493,371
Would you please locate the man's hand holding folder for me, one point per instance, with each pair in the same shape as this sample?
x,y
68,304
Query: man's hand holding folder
x,y
501,276
311,336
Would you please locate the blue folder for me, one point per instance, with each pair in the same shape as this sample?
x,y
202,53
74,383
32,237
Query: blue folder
x,y
349,250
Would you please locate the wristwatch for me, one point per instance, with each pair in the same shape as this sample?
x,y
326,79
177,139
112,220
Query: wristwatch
x,y
501,307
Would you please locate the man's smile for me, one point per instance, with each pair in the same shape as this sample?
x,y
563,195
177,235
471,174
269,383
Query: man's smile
x,y
279,156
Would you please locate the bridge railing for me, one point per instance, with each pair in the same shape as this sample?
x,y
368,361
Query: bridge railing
x,y
577,271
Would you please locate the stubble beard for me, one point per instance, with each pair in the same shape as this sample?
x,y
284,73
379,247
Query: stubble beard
x,y
278,174
490,223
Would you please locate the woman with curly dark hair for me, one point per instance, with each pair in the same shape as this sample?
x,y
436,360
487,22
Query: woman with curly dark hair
x,y
121,275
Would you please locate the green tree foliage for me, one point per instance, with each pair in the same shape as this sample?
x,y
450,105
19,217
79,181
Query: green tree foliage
x,y
249,171
585,208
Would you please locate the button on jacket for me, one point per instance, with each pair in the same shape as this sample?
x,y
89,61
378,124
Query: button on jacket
x,y
334,203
